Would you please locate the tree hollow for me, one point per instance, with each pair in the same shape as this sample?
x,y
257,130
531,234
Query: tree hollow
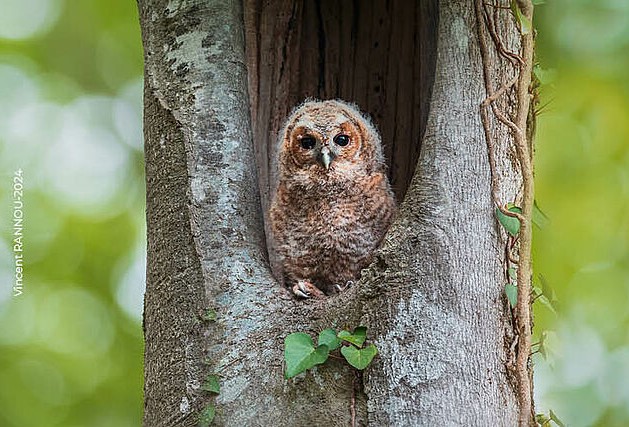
x,y
379,55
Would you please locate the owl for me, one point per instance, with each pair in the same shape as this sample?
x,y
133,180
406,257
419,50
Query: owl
x,y
333,202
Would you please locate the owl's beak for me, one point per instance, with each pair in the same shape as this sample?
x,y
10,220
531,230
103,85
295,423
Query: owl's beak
x,y
326,157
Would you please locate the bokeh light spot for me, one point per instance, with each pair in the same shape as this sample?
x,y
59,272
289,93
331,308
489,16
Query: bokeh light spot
x,y
22,19
75,322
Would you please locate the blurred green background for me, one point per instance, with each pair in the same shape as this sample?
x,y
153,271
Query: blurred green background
x,y
582,184
70,118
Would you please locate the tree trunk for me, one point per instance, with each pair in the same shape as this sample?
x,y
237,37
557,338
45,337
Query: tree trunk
x,y
219,78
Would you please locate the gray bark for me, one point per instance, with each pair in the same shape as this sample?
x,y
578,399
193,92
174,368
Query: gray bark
x,y
443,334
432,300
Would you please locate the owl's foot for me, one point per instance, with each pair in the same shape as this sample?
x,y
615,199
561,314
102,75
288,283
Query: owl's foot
x,y
346,287
305,289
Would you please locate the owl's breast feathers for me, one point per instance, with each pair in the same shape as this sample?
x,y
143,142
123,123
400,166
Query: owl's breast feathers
x,y
327,233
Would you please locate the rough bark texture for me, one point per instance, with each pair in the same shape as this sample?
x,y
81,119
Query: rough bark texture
x,y
433,299
197,114
443,334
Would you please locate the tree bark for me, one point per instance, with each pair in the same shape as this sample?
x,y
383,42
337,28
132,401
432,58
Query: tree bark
x,y
432,300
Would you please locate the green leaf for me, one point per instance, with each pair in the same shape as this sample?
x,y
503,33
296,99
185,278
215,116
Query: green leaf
x,y
523,22
544,76
211,384
539,218
542,419
328,337
546,289
548,297
547,344
511,224
210,315
512,294
359,358
300,353
537,292
556,419
546,302
207,416
357,337
512,273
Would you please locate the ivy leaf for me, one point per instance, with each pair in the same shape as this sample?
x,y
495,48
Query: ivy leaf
x,y
357,337
546,289
539,218
512,273
359,358
544,76
556,419
328,337
211,384
207,416
547,297
523,22
546,302
210,315
510,223
537,292
301,354
542,420
512,294
547,344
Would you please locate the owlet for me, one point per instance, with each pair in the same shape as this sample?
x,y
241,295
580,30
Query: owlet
x,y
333,202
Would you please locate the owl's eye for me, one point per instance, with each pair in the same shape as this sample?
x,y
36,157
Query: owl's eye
x,y
308,142
341,140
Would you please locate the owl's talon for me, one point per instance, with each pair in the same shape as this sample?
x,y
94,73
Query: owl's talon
x,y
305,289
348,284
298,292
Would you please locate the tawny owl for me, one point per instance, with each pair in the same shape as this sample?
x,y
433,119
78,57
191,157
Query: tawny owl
x,y
333,202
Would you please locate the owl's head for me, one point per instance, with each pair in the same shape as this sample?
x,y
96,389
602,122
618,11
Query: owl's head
x,y
328,139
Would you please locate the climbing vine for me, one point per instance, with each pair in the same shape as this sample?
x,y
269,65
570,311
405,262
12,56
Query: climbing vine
x,y
516,113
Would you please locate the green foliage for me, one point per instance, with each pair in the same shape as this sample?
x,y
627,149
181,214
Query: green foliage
x,y
545,420
359,358
539,218
510,223
547,344
357,337
512,294
211,384
207,416
543,76
545,295
328,338
300,353
209,315
524,23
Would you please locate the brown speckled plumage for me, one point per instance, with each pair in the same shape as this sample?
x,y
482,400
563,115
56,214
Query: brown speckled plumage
x,y
327,222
